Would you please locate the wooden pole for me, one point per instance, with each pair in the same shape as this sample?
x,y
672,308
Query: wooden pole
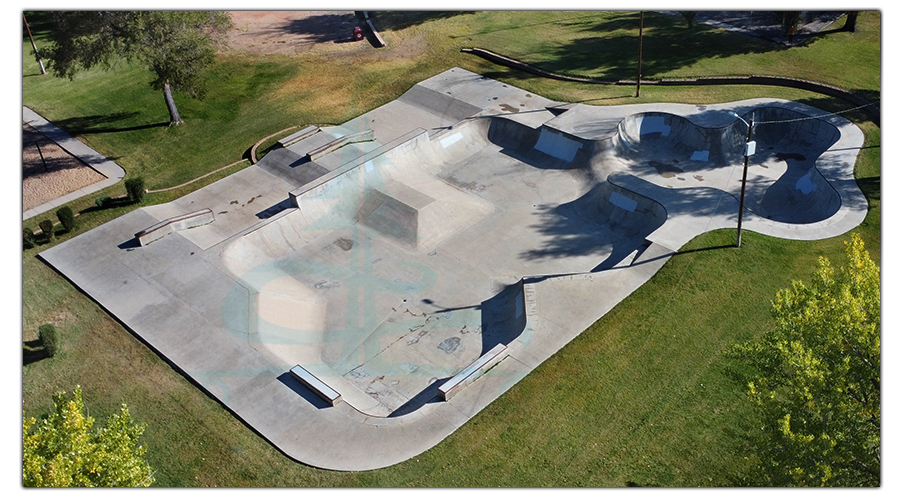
x,y
33,46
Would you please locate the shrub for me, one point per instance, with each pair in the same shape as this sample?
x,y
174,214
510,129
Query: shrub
x,y
104,201
29,238
66,218
46,226
49,338
135,188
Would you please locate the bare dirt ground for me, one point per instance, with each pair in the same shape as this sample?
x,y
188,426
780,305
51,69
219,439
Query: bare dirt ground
x,y
288,32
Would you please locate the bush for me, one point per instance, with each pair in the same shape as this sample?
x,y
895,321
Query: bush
x,y
66,218
46,226
135,188
104,201
29,238
49,338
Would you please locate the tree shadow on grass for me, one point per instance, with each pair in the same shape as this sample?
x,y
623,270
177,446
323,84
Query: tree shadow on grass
x,y
33,351
109,203
400,20
610,47
871,187
100,124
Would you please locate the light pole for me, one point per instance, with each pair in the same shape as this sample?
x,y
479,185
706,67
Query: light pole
x,y
749,149
640,54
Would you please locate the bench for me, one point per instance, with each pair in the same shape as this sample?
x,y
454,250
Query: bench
x,y
296,136
471,373
312,383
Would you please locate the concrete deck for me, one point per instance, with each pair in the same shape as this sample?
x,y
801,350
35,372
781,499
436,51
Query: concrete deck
x,y
481,216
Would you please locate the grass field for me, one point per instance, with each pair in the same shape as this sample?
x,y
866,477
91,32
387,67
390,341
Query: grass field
x,y
645,396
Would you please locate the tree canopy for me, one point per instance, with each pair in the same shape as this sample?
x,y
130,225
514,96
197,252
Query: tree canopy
x,y
64,449
817,377
175,45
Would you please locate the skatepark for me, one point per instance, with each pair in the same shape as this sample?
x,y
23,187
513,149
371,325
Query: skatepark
x,y
364,290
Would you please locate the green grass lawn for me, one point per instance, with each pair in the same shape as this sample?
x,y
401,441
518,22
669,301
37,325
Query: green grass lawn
x,y
645,396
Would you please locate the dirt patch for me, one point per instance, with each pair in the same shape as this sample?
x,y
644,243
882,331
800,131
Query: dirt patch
x,y
288,32
49,171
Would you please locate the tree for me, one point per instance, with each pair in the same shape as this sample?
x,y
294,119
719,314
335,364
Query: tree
x,y
135,189
817,377
29,238
64,450
46,226
49,338
689,17
175,45
66,218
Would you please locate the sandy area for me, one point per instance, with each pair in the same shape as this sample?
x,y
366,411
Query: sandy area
x,y
59,173
288,32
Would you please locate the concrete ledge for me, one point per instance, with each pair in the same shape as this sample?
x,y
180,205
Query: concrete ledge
x,y
174,224
364,136
296,136
472,372
314,384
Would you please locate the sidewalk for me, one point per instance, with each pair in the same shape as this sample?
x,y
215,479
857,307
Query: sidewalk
x,y
108,168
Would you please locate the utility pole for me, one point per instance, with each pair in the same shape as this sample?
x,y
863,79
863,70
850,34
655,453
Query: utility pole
x,y
36,55
749,149
640,53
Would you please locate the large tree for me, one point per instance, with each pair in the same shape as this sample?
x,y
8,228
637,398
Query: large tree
x,y
817,377
175,45
64,449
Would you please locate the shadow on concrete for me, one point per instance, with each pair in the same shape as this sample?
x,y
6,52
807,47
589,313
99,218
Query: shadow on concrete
x,y
130,244
440,309
275,209
287,379
426,396
503,317
588,225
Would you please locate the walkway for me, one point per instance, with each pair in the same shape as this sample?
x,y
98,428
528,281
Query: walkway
x,y
108,168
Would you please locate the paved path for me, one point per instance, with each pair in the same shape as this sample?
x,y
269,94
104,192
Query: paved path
x,y
108,168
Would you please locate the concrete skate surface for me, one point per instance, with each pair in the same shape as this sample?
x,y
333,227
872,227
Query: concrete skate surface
x,y
466,220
